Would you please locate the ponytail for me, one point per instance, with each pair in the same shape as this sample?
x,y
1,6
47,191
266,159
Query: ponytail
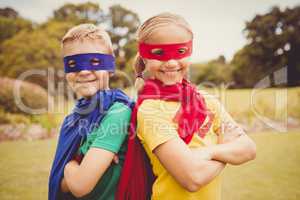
x,y
139,67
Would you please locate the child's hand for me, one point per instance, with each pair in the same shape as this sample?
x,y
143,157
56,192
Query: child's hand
x,y
231,132
63,185
116,159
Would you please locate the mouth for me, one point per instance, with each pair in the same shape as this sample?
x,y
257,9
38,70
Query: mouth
x,y
85,81
171,70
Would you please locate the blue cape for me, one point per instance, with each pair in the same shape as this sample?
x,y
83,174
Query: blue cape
x,y
86,114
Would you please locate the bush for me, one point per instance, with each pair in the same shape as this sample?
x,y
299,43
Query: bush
x,y
9,118
31,95
213,72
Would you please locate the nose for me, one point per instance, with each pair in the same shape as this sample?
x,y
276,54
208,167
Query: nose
x,y
171,63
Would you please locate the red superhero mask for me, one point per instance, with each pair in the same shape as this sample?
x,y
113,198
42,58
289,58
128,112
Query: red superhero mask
x,y
165,52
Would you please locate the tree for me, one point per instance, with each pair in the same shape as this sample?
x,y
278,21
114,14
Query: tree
x,y
8,13
80,13
39,47
29,51
216,72
11,23
123,24
273,43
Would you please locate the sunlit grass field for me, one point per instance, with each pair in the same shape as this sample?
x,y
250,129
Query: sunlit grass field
x,y
274,103
24,170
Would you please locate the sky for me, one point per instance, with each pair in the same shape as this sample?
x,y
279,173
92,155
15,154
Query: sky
x,y
217,25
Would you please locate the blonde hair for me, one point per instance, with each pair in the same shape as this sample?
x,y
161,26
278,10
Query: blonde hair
x,y
87,32
145,31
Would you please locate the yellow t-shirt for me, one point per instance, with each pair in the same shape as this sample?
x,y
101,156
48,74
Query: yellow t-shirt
x,y
155,126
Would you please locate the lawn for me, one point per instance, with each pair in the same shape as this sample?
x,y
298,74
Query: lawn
x,y
24,169
275,173
274,103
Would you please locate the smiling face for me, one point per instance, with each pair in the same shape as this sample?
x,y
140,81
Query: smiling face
x,y
171,71
86,83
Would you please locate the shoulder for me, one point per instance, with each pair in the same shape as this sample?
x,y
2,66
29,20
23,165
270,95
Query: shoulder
x,y
117,115
118,108
212,102
155,123
157,106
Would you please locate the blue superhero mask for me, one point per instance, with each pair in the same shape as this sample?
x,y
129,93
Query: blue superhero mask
x,y
89,61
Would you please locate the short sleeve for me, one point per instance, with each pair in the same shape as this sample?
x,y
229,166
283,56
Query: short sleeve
x,y
113,128
155,124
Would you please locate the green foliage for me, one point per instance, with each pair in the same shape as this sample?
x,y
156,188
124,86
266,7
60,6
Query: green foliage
x,y
213,72
124,24
48,121
79,13
55,29
9,27
38,48
13,118
34,50
11,23
9,13
273,43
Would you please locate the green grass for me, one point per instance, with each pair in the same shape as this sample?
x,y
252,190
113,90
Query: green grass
x,y
24,170
274,103
274,174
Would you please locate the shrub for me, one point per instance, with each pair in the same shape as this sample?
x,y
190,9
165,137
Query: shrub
x,y
31,95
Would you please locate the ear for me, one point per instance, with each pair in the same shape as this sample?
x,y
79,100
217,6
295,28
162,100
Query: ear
x,y
144,61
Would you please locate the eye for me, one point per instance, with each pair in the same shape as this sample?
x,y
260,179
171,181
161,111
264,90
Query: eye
x,y
95,61
71,63
182,50
157,51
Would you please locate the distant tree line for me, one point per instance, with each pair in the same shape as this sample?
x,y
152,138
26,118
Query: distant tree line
x,y
27,45
273,43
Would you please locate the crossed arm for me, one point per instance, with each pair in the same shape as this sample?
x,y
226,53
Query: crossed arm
x,y
190,168
194,168
236,146
240,150
80,179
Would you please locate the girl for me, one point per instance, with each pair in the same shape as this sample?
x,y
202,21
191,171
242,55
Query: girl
x,y
186,137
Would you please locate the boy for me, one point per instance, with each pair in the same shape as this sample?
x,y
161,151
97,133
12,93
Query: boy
x,y
94,133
